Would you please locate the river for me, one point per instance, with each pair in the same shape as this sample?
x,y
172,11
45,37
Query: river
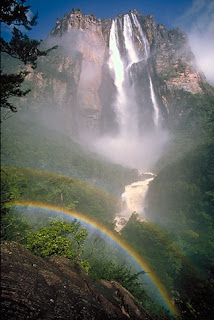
x,y
133,200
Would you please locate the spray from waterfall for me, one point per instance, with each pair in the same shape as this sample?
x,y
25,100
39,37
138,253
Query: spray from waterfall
x,y
133,200
125,106
137,142
128,40
125,102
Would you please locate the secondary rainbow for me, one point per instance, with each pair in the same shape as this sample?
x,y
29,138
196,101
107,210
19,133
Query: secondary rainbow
x,y
114,237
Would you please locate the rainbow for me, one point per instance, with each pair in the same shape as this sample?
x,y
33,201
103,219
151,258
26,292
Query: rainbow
x,y
114,237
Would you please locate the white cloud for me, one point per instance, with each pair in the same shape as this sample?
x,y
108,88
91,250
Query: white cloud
x,y
198,22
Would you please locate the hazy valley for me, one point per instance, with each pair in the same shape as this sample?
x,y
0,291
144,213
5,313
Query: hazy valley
x,y
116,132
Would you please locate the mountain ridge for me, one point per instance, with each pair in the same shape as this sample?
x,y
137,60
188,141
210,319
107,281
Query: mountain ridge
x,y
75,78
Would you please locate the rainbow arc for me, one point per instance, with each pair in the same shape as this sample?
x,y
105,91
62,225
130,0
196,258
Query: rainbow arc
x,y
122,243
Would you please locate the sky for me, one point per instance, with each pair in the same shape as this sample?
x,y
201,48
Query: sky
x,y
195,17
164,11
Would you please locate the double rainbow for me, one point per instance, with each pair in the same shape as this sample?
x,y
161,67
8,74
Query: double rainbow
x,y
131,252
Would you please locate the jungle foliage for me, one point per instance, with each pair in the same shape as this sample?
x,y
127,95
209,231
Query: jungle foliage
x,y
191,288
180,200
59,239
29,144
66,193
46,234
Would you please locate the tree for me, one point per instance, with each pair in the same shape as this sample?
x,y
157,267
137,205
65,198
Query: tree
x,y
59,239
15,13
112,271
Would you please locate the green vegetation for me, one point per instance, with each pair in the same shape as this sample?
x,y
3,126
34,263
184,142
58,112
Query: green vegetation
x,y
180,200
190,124
66,193
120,273
156,248
59,239
47,234
29,144
13,228
191,289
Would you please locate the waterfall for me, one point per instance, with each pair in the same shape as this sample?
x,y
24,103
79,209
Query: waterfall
x,y
146,46
154,101
138,138
124,105
116,67
122,58
128,40
133,200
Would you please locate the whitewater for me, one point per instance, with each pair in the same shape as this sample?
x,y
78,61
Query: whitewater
x,y
133,145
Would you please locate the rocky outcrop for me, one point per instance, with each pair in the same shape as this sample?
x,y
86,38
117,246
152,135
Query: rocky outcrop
x,y
33,288
75,78
76,19
172,64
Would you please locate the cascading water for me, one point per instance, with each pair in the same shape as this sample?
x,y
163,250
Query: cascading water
x,y
124,105
139,138
146,46
120,62
117,68
133,200
128,40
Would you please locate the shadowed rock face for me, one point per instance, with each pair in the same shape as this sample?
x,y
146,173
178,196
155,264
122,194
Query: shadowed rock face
x,y
33,288
75,78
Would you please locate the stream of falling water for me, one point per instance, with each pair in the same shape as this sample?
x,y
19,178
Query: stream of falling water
x,y
120,63
133,200
137,138
146,46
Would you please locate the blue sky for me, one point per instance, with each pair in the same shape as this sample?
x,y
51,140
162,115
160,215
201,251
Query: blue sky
x,y
164,11
195,17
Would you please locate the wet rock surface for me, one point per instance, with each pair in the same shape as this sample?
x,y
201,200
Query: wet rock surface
x,y
33,288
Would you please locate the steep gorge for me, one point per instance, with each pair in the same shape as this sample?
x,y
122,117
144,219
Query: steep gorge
x,y
121,86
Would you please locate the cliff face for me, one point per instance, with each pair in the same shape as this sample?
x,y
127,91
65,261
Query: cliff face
x,y
76,77
33,288
172,57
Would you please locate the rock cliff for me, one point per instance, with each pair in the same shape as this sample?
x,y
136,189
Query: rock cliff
x,y
33,288
76,79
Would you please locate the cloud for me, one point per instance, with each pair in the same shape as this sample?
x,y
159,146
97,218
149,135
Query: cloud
x,y
198,22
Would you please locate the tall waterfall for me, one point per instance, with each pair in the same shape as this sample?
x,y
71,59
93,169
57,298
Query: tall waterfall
x,y
124,105
145,42
128,40
133,109
120,63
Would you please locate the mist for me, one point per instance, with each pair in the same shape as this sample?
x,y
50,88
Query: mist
x,y
134,136
141,153
139,139
198,21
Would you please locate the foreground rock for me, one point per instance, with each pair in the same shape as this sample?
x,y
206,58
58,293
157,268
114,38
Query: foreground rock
x,y
33,288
